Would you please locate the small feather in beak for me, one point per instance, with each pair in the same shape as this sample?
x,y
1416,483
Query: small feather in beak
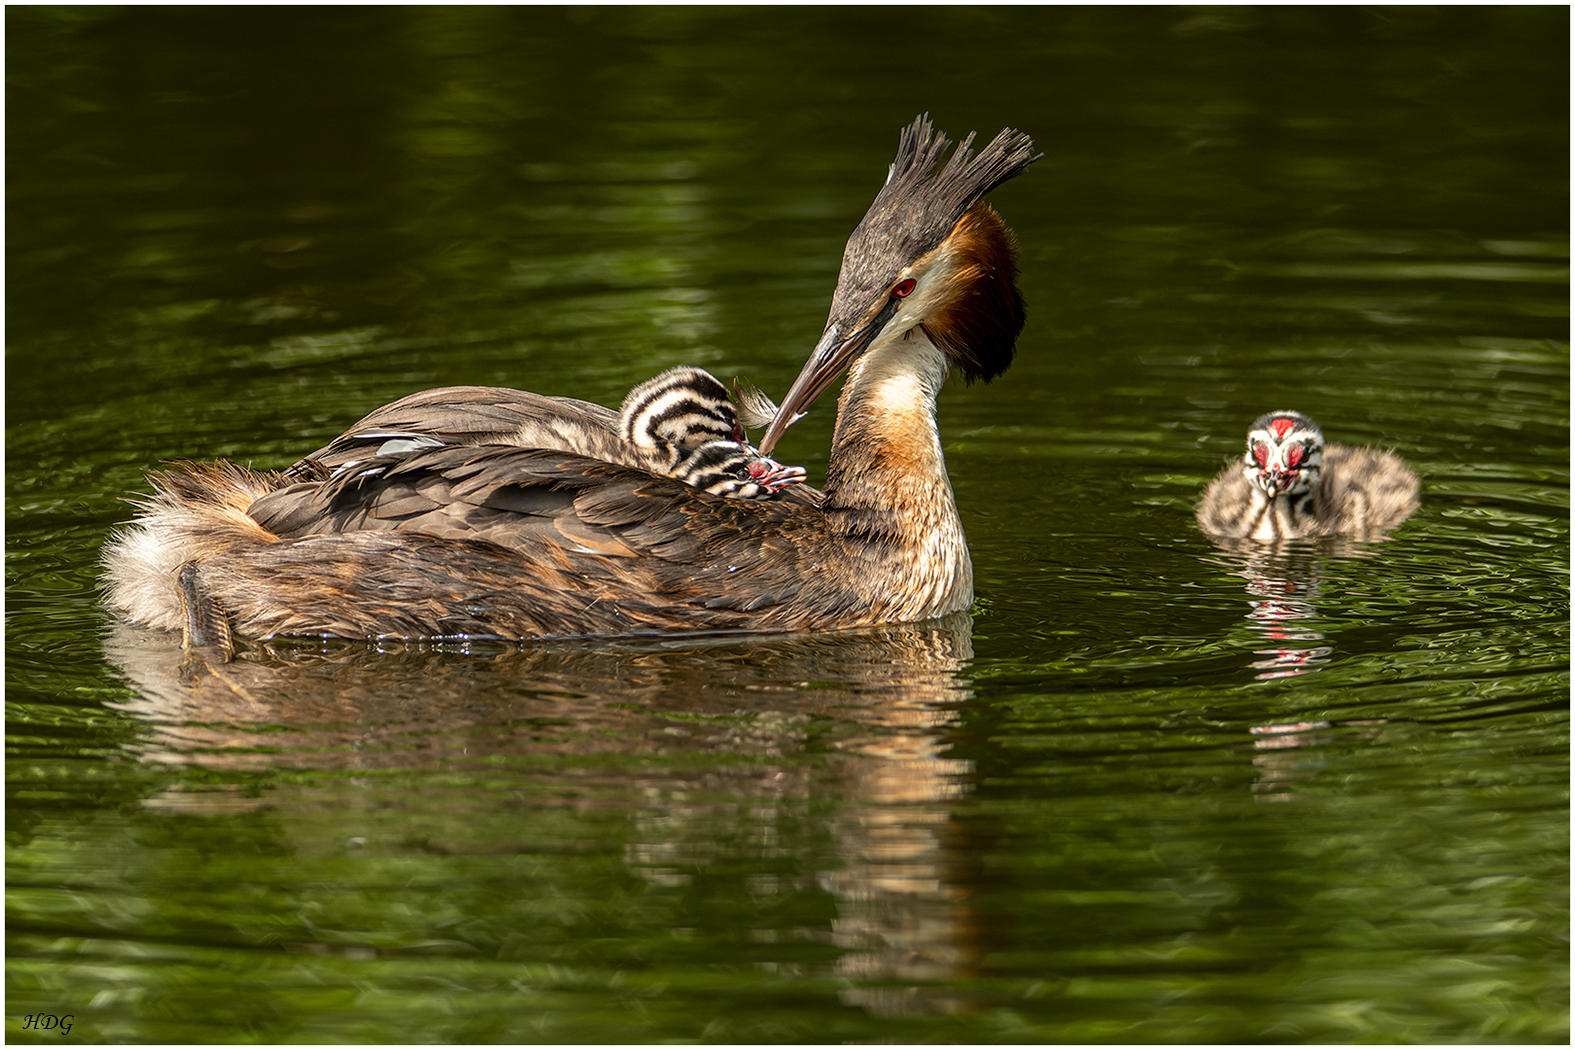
x,y
755,409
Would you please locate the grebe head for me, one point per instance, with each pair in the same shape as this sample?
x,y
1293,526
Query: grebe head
x,y
929,252
1284,454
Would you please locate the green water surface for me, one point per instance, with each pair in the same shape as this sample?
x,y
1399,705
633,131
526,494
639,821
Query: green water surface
x,y
1149,790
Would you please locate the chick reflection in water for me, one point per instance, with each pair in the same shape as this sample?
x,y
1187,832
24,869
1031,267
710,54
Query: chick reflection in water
x,y
1283,581
1292,486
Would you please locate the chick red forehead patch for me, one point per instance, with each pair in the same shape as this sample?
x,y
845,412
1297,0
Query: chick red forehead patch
x,y
1282,426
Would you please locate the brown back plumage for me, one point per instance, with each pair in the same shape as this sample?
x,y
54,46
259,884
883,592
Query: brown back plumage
x,y
474,415
487,539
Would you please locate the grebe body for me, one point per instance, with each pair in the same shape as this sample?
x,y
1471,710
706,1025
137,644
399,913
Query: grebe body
x,y
481,511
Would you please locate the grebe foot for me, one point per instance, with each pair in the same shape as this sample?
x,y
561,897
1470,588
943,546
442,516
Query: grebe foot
x,y
206,626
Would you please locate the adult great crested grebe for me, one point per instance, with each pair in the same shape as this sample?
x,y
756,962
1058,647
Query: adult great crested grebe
x,y
480,511
1291,484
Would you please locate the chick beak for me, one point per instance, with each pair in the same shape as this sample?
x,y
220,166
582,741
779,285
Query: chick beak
x,y
1277,482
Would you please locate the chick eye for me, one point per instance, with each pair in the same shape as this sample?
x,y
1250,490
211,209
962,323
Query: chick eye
x,y
901,289
742,474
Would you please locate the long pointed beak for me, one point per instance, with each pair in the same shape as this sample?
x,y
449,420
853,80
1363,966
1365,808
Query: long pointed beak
x,y
830,358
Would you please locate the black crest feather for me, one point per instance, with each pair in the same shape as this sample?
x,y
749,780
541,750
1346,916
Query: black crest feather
x,y
921,202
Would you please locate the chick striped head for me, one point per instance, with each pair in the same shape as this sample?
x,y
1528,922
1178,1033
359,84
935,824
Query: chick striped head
x,y
686,423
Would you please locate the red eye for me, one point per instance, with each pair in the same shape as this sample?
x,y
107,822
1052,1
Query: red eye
x,y
1260,452
901,289
1293,455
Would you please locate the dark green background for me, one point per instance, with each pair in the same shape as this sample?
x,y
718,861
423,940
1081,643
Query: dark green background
x,y
1103,808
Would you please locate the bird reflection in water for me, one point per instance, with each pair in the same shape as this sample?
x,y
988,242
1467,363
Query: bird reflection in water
x,y
854,723
1283,583
1286,752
